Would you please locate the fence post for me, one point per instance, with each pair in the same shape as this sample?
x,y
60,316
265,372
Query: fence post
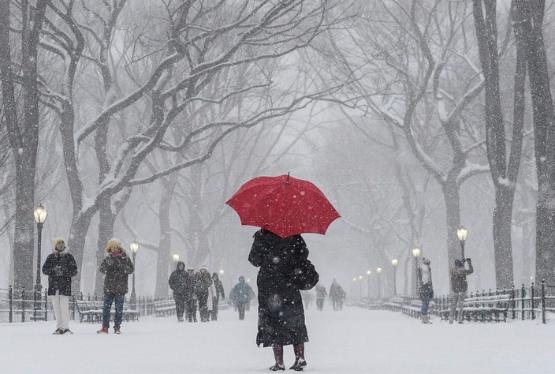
x,y
10,303
513,301
74,306
46,304
522,296
23,304
532,301
543,300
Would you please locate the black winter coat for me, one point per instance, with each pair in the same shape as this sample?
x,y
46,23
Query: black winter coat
x,y
280,307
117,270
59,267
179,283
203,282
219,288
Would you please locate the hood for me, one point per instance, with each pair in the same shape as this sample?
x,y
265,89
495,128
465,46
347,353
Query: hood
x,y
113,243
180,266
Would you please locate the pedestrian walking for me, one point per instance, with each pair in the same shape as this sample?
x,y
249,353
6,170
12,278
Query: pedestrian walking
x,y
337,295
203,283
60,267
307,297
459,286
216,291
321,294
284,271
241,295
425,288
191,297
117,266
178,282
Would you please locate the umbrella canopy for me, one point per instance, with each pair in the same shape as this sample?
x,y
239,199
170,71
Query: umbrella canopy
x,y
284,205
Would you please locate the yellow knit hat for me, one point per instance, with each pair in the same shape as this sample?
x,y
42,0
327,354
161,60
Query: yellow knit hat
x,y
113,243
57,241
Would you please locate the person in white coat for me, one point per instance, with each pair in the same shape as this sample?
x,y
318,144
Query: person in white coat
x,y
60,266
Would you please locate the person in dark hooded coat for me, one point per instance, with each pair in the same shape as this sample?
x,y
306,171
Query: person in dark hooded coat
x,y
178,281
284,271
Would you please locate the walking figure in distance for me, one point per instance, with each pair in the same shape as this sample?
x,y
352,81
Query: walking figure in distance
x,y
321,294
425,288
284,271
240,295
178,283
117,266
217,291
203,283
459,286
60,266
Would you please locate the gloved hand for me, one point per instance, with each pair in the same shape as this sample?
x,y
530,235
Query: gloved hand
x,y
58,271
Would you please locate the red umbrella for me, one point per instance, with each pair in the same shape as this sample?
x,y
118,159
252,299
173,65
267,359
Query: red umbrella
x,y
284,205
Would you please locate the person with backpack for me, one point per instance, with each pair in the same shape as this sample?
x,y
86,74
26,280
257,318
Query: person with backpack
x,y
178,283
284,271
459,286
240,295
191,297
60,266
117,266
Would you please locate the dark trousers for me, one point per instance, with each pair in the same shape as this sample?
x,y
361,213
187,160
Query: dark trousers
x,y
191,309
118,300
179,305
203,306
241,308
320,304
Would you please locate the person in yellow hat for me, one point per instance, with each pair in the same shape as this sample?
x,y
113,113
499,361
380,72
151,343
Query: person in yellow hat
x,y
117,266
60,266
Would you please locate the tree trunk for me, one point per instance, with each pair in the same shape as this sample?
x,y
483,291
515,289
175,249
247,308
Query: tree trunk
x,y
76,243
165,241
502,224
451,196
106,220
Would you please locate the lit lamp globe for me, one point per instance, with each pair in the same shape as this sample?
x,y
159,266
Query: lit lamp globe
x,y
175,257
462,233
379,270
369,272
416,252
354,279
40,214
360,277
134,246
221,271
394,262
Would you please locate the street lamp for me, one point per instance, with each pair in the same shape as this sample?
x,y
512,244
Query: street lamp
x,y
368,273
394,263
175,257
379,271
360,286
134,246
40,214
221,271
462,234
416,252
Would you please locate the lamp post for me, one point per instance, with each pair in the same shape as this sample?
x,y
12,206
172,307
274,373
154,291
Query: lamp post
x,y
40,214
394,263
360,286
379,271
462,234
134,246
416,252
368,274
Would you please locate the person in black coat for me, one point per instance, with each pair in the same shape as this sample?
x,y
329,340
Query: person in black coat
x,y
282,275
60,266
117,266
191,297
218,291
203,283
178,284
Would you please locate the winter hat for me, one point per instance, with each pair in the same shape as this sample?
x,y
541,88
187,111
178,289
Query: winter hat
x,y
113,243
57,241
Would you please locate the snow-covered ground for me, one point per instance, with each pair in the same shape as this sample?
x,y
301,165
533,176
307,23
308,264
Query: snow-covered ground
x,y
353,341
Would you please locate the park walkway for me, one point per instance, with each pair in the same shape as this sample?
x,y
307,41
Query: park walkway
x,y
353,341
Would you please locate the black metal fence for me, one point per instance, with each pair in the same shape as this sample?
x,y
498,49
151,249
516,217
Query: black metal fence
x,y
21,305
536,301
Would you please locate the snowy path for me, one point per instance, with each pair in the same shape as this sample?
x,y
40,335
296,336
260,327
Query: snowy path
x,y
354,341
